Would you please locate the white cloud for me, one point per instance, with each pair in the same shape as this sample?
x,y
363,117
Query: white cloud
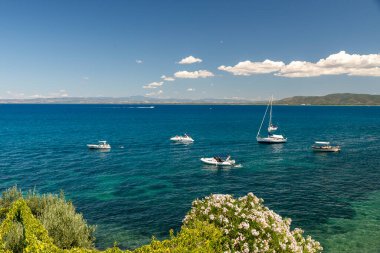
x,y
167,78
58,94
190,89
340,63
154,94
85,78
189,60
194,74
153,85
139,61
335,64
15,95
247,68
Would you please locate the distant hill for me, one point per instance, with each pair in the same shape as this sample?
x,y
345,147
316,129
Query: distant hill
x,y
332,99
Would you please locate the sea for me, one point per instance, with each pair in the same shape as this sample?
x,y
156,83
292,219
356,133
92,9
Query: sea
x,y
145,184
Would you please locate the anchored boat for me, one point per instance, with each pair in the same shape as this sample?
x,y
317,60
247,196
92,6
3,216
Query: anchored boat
x,y
185,138
100,145
324,146
271,138
218,161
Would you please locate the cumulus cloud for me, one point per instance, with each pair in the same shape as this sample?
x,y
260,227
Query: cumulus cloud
x,y
194,74
340,63
189,60
190,89
153,85
167,78
139,61
335,64
154,94
247,68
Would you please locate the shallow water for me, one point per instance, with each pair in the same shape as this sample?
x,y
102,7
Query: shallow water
x,y
145,185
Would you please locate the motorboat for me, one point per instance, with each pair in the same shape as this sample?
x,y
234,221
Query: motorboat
x,y
100,145
324,146
218,161
271,138
182,138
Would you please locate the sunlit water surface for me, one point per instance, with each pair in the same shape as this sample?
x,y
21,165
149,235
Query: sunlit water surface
x,y
145,185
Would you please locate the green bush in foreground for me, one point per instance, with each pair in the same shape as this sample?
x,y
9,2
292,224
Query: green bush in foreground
x,y
200,237
67,228
218,223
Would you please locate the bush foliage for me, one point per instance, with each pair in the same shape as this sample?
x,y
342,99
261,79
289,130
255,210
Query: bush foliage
x,y
249,226
67,228
219,223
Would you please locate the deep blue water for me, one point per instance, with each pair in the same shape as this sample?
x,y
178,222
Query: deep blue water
x,y
147,187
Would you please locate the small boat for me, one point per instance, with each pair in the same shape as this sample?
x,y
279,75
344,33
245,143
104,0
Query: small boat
x,y
324,146
100,145
271,138
185,138
216,160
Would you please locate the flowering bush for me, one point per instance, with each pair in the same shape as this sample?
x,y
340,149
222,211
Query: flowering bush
x,y
218,223
249,226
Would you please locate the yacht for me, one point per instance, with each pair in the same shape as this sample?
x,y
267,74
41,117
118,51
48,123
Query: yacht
x,y
100,145
184,138
324,146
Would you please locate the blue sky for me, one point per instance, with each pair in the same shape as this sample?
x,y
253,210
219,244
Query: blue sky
x,y
239,49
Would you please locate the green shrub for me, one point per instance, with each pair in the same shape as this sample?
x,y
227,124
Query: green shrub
x,y
67,228
200,237
249,226
218,223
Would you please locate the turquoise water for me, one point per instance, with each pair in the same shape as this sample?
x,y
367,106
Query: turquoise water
x,y
145,185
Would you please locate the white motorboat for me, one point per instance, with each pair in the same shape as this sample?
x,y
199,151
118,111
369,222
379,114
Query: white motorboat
x,y
185,138
324,146
218,161
100,145
271,138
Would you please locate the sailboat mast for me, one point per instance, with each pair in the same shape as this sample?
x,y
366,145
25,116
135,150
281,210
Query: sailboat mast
x,y
258,133
270,113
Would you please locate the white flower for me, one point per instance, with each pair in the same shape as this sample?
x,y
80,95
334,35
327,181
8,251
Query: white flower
x,y
244,225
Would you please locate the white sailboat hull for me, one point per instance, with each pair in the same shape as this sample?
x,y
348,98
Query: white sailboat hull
x,y
271,140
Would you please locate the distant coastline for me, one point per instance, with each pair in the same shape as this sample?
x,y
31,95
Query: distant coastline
x,y
337,99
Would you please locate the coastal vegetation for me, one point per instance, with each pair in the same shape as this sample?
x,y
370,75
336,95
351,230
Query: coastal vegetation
x,y
218,223
332,99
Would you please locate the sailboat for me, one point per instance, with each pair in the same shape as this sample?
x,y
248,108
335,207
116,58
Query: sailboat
x,y
271,138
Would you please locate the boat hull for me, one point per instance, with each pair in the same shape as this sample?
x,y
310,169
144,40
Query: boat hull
x,y
335,149
269,140
94,146
212,161
181,139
